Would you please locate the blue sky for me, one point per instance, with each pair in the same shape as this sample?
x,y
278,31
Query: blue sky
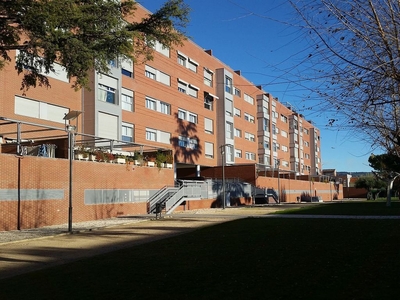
x,y
254,36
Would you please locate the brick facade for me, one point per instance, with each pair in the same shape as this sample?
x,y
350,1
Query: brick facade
x,y
37,174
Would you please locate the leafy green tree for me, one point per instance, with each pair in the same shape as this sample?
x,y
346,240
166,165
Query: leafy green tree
x,y
387,168
82,35
371,184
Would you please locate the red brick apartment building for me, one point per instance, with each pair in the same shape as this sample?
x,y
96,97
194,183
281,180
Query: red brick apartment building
x,y
186,101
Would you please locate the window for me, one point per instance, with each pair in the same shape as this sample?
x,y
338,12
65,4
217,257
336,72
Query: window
x,y
182,141
151,134
283,118
238,113
238,153
209,149
193,91
250,156
187,115
127,67
266,124
208,125
284,133
182,86
113,63
165,108
182,60
157,75
306,131
150,72
277,162
127,102
158,105
182,114
208,101
229,153
248,99
237,92
274,147
229,130
228,107
127,132
160,48
249,118
40,110
266,145
126,72
193,144
186,142
307,144
238,133
263,108
106,94
187,88
208,77
163,78
228,84
151,103
284,148
192,65
192,118
275,129
249,136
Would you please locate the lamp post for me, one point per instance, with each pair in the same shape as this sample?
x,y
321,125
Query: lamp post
x,y
223,153
70,129
278,163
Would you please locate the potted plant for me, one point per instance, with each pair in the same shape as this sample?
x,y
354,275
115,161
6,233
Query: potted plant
x,y
82,153
119,159
160,159
108,157
169,160
99,155
138,158
92,155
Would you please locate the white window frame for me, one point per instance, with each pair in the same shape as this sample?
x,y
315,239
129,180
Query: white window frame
x,y
151,134
249,118
208,77
151,103
238,133
228,84
248,99
238,153
127,131
209,125
229,129
209,150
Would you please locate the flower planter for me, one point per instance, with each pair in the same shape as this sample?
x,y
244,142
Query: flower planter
x,y
168,166
119,160
151,164
81,157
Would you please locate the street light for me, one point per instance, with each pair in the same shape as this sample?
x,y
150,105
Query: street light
x,y
222,147
71,129
278,163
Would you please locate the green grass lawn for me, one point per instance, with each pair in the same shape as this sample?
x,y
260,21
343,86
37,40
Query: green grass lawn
x,y
363,208
254,258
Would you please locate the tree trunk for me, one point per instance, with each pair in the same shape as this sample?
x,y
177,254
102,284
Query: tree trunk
x,y
389,193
